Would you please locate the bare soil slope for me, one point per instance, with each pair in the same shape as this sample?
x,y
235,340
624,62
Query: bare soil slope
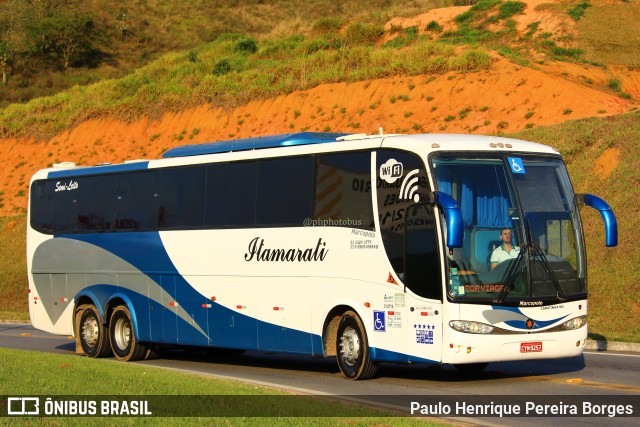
x,y
505,98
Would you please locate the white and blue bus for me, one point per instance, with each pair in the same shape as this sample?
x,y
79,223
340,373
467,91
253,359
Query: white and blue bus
x,y
370,249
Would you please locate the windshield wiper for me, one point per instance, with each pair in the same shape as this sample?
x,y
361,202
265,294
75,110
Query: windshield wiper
x,y
533,252
537,252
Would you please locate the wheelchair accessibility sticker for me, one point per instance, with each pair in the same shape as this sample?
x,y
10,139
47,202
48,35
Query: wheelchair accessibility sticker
x,y
516,165
379,324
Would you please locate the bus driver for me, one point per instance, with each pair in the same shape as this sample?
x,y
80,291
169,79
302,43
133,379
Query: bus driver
x,y
506,250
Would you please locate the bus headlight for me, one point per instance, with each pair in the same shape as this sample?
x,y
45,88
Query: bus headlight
x,y
471,327
575,323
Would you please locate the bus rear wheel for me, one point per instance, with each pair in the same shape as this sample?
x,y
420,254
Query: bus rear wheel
x,y
93,334
124,344
352,348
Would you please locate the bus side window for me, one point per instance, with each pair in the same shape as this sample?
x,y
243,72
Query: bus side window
x,y
231,194
181,197
42,207
343,189
285,191
93,206
136,201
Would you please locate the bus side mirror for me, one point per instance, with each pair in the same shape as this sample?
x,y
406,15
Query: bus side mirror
x,y
453,217
608,217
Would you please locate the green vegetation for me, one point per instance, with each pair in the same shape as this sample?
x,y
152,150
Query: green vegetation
x,y
433,26
488,23
577,11
49,45
64,375
260,60
13,270
511,8
409,35
363,34
608,33
225,72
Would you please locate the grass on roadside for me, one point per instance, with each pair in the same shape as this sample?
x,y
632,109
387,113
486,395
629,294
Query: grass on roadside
x,y
27,373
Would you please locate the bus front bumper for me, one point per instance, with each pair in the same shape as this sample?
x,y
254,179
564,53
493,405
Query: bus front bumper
x,y
461,348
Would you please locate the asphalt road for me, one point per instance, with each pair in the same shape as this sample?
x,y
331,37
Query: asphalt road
x,y
595,377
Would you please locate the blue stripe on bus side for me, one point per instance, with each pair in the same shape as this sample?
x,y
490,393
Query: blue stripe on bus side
x,y
383,355
247,333
145,251
519,320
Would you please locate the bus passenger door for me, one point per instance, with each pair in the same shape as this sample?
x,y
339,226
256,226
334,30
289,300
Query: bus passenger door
x,y
424,329
408,229
423,280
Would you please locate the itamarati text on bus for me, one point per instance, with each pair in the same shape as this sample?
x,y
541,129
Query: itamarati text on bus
x,y
454,249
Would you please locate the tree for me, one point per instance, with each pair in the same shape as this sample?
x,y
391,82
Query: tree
x,y
9,21
48,8
66,40
5,59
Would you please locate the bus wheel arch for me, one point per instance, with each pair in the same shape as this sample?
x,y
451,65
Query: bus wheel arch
x,y
352,348
92,334
330,328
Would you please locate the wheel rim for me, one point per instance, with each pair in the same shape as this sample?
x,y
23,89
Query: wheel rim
x,y
350,346
90,331
122,333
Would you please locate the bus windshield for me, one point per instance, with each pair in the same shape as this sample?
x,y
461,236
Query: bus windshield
x,y
522,241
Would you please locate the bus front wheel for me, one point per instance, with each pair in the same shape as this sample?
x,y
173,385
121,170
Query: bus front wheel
x,y
352,348
94,337
124,344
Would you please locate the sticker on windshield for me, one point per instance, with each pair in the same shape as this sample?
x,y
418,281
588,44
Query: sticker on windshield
x,y
516,164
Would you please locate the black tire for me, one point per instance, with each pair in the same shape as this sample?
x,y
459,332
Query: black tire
x,y
124,343
93,333
471,368
352,348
